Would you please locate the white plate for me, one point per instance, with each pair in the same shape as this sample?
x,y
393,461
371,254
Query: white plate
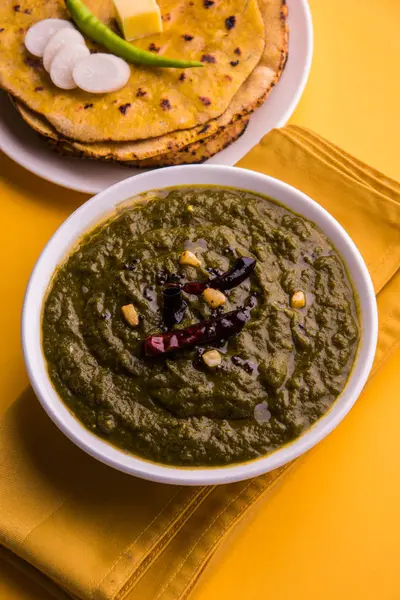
x,y
24,146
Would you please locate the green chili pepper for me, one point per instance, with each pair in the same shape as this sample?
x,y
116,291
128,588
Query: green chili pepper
x,y
88,24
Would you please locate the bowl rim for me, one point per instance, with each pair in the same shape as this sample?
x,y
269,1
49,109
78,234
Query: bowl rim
x,y
92,212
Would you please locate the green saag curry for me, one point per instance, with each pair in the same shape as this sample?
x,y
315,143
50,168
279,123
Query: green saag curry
x,y
264,385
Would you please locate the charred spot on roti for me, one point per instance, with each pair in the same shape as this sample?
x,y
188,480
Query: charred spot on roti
x,y
165,104
206,101
208,58
204,129
39,88
234,63
187,37
208,3
89,105
113,24
284,59
166,17
182,77
140,93
17,8
230,22
154,48
34,63
237,51
124,108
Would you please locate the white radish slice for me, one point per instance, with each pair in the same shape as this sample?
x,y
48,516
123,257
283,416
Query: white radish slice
x,y
101,73
39,34
64,62
57,41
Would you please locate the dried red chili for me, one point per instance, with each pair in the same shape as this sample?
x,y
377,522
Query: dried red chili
x,y
205,332
239,271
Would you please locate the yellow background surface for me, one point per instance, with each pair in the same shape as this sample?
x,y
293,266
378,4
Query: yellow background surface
x,y
332,530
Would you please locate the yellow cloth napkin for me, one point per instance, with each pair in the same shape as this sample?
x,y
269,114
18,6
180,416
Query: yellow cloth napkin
x,y
85,531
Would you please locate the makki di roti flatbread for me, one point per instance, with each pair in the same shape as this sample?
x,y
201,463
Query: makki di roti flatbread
x,y
197,152
153,147
202,141
155,101
251,94
194,153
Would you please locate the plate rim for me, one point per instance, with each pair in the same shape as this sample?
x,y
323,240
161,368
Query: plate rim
x,y
306,73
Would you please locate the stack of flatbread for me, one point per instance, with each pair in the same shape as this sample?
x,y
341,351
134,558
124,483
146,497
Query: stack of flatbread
x,y
162,116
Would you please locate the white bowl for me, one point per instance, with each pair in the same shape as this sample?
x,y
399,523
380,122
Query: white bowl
x,y
103,204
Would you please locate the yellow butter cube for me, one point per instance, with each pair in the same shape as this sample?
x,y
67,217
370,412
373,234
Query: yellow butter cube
x,y
138,18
